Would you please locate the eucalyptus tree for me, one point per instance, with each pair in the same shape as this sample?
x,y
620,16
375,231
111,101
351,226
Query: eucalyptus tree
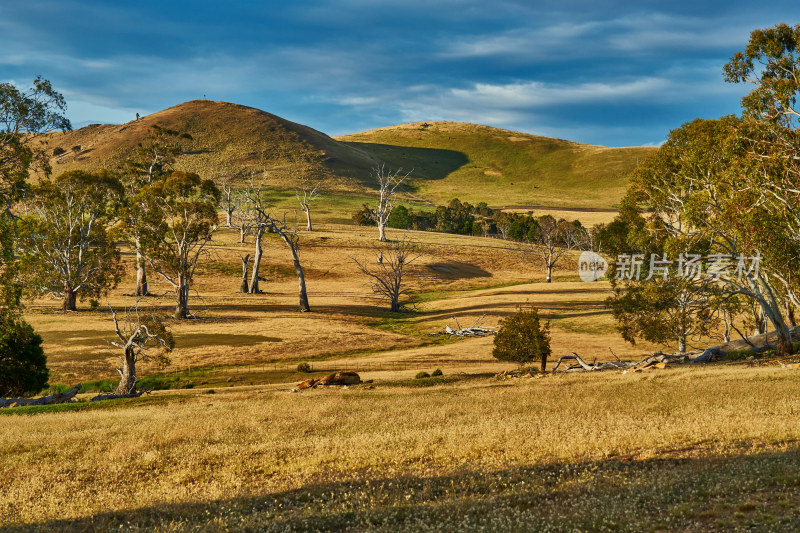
x,y
66,247
770,135
178,219
705,191
152,160
25,115
263,220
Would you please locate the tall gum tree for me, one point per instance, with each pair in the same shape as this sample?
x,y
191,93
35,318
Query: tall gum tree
x,y
770,134
179,218
25,115
65,247
700,187
264,220
153,160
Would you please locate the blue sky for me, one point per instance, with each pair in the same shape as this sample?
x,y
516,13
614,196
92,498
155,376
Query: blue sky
x,y
610,73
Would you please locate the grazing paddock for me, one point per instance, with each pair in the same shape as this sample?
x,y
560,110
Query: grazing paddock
x,y
667,449
227,446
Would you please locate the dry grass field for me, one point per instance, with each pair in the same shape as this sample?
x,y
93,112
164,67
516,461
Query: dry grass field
x,y
228,447
673,450
455,275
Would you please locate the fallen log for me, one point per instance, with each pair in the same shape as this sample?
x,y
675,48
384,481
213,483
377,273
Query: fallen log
x,y
134,394
660,359
475,330
59,397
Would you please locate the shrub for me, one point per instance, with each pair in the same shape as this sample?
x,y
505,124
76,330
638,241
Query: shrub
x,y
304,367
422,375
522,338
23,365
437,372
58,151
364,217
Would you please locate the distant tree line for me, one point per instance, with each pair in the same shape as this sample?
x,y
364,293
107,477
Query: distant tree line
x,y
463,218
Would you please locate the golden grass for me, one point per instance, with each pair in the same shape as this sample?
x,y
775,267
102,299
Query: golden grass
x,y
587,218
456,275
675,449
262,458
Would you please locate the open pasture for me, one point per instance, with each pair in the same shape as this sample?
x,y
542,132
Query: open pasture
x,y
229,447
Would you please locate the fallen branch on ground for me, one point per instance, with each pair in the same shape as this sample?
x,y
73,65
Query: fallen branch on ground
x,y
59,397
473,331
134,394
658,358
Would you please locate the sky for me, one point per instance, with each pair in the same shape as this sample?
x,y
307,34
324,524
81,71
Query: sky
x,y
611,73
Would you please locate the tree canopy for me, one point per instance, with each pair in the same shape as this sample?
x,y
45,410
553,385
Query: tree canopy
x,y
179,217
66,248
523,338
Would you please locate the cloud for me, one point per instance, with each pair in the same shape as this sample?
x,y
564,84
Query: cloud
x,y
570,68
536,94
639,34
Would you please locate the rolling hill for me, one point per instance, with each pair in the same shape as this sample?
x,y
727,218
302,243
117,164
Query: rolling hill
x,y
447,159
229,140
501,167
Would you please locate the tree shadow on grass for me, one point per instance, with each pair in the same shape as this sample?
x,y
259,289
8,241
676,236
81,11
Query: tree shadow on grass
x,y
755,491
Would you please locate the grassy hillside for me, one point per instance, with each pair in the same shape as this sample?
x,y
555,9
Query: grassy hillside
x,y
449,160
479,163
229,139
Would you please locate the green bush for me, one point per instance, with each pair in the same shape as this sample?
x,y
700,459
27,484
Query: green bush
x,y
522,338
437,372
304,367
23,365
364,217
58,151
422,375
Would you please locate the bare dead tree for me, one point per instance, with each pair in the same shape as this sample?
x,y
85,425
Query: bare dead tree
x,y
245,266
264,220
309,195
140,337
386,278
258,224
243,216
291,237
227,199
388,183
